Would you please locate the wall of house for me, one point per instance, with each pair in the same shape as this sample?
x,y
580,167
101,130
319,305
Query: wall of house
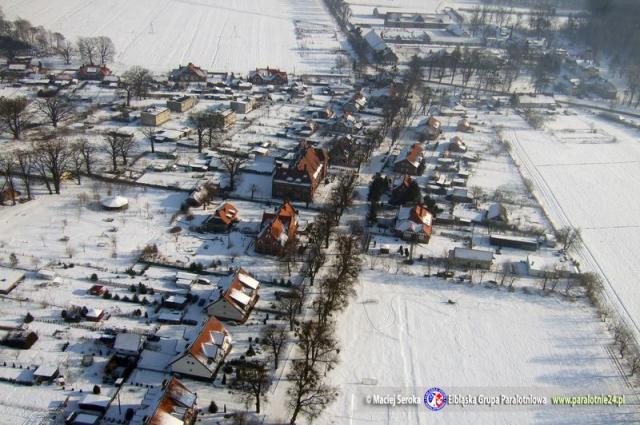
x,y
223,310
188,365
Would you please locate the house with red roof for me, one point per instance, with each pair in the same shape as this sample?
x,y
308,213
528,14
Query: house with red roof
x,y
188,74
172,404
410,161
268,76
414,223
205,354
222,220
93,72
277,230
238,295
299,179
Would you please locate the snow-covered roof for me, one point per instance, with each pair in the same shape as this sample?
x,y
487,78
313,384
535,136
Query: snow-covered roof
x,y
248,280
9,277
375,41
240,297
127,342
46,371
114,202
472,254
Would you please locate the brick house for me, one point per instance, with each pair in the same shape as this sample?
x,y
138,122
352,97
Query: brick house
x,y
299,179
182,103
172,404
93,72
188,74
410,161
268,76
414,223
277,230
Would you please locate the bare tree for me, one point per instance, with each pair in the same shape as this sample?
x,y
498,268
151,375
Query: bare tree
x,y
274,337
67,51
25,165
308,394
288,303
14,116
112,147
54,155
105,49
232,165
127,144
150,134
55,109
635,364
568,237
87,50
7,167
87,149
136,81
314,261
252,381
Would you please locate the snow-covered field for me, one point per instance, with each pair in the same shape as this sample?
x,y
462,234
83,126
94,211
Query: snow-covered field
x,y
231,35
591,186
401,336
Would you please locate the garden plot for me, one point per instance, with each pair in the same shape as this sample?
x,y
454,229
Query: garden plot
x,y
400,335
74,226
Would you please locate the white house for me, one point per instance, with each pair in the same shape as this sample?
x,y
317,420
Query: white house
x,y
238,299
128,344
203,356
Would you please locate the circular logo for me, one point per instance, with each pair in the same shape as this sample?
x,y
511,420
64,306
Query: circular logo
x,y
435,399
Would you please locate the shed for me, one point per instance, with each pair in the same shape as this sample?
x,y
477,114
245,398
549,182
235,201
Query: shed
x,y
520,242
46,373
474,258
128,344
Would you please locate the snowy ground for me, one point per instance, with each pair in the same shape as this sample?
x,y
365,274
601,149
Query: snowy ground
x,y
400,336
160,35
589,184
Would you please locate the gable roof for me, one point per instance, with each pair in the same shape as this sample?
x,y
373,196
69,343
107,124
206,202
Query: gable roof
x,y
280,226
416,219
227,212
411,154
209,339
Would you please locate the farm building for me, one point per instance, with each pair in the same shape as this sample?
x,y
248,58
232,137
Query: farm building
x,y
520,242
417,20
182,103
155,115
472,258
277,230
237,300
9,279
205,354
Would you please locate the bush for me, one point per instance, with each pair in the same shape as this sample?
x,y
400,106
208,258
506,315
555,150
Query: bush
x,y
96,389
28,318
94,277
213,407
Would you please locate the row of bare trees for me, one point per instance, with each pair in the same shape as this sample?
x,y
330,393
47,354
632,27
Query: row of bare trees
x,y
18,114
48,157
